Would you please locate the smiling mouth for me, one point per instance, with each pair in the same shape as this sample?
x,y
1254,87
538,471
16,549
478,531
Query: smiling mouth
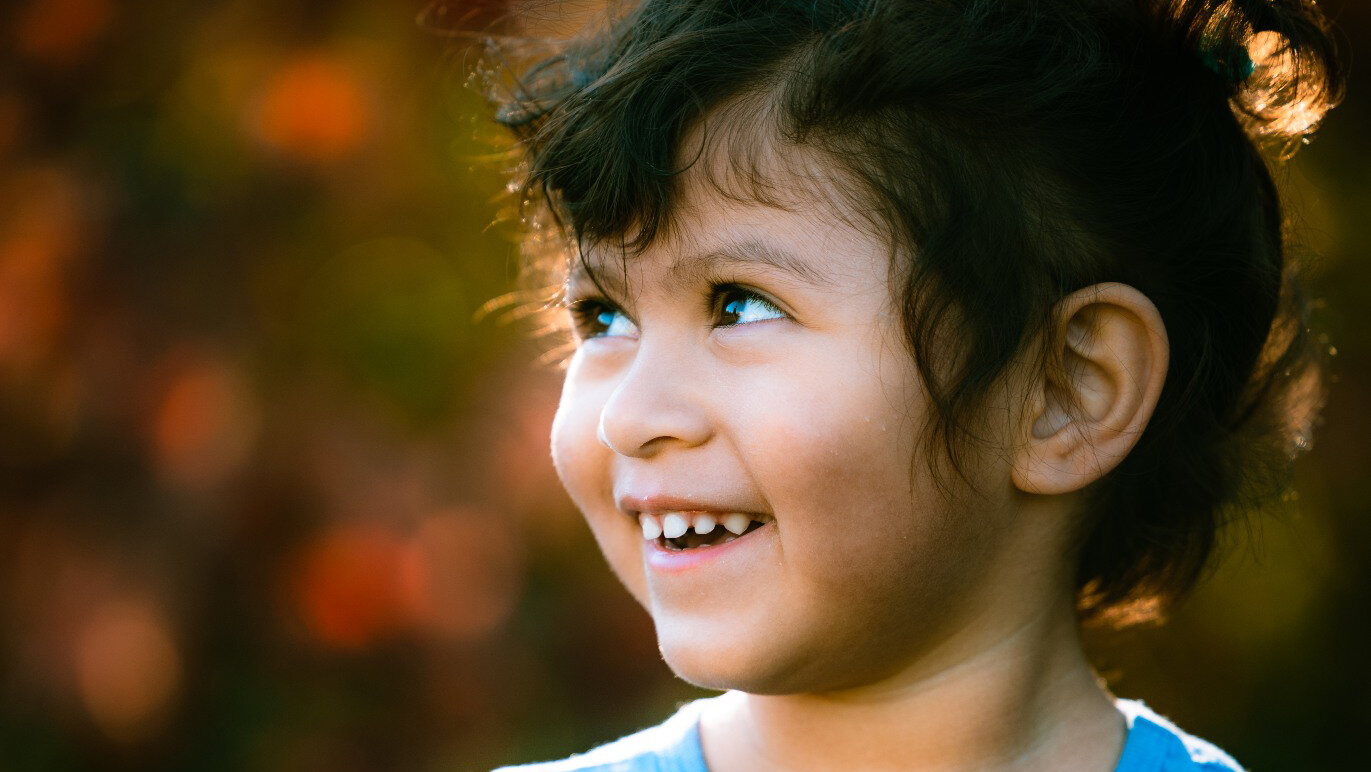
x,y
679,531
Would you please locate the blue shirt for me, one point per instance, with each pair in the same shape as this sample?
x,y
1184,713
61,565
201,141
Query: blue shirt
x,y
1153,744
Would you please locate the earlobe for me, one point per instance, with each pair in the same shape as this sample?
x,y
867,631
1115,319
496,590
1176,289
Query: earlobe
x,y
1107,366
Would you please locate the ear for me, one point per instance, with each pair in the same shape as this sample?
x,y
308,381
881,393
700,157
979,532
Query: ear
x,y
1107,360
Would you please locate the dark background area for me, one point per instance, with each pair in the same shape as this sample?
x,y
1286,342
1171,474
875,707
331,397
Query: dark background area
x,y
270,498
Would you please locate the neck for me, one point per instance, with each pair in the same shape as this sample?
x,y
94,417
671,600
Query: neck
x,y
1025,698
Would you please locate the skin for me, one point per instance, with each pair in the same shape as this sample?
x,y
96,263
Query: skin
x,y
881,621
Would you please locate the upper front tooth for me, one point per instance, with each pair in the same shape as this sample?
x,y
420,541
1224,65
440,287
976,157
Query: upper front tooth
x,y
737,523
704,523
651,528
674,525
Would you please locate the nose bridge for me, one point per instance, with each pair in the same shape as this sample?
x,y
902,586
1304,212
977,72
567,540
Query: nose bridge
x,y
655,405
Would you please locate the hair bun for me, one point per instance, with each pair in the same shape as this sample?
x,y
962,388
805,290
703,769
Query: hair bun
x,y
1278,58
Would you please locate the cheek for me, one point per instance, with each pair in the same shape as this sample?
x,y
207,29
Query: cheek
x,y
573,428
872,555
831,440
848,490
576,453
584,467
855,501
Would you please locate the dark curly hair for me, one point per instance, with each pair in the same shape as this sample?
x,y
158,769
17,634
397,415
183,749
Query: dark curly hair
x,y
1016,151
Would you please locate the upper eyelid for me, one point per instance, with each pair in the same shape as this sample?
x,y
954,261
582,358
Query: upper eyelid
x,y
719,289
582,305
573,301
582,310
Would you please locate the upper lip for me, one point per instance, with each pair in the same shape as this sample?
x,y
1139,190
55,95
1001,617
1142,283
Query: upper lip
x,y
657,504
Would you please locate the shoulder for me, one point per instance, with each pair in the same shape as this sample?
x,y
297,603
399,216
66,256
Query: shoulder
x,y
671,746
1154,744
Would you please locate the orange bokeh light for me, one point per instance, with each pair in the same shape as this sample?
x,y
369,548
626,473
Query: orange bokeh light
x,y
204,425
128,668
39,235
346,588
58,32
314,109
462,574
457,576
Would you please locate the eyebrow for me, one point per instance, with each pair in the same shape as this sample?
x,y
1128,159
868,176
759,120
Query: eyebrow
x,y
748,253
694,267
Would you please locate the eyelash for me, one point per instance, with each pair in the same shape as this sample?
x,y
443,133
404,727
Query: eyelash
x,y
585,312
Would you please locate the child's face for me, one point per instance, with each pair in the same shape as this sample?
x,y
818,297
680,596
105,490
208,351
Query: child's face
x,y
721,381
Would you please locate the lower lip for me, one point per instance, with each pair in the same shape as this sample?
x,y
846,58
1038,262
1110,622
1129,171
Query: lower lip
x,y
665,560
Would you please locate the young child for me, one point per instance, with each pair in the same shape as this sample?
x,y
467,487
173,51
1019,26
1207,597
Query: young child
x,y
912,335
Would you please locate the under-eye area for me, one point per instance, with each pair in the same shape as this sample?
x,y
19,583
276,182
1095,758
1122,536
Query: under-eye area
x,y
690,530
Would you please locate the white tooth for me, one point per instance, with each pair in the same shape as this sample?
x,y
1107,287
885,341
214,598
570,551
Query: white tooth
x,y
737,523
651,528
674,525
704,524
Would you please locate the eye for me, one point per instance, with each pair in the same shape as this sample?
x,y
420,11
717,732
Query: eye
x,y
595,318
739,305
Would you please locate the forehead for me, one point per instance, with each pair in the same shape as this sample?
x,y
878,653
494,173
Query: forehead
x,y
748,199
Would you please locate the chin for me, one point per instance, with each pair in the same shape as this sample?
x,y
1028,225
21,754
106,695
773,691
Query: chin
x,y
707,674
768,664
721,663
705,660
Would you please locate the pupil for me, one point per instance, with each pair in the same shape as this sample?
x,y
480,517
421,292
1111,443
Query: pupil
x,y
734,308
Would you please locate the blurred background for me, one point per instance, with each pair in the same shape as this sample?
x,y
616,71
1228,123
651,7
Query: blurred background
x,y
272,498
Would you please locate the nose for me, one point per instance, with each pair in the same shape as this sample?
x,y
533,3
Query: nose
x,y
657,405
